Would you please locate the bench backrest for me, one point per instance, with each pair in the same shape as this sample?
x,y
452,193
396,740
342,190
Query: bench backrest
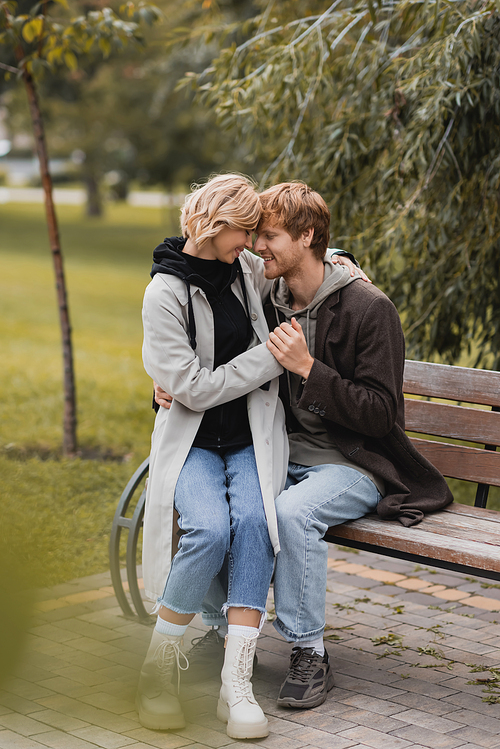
x,y
467,420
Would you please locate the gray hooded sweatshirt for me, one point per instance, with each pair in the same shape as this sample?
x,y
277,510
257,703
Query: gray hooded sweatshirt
x,y
313,444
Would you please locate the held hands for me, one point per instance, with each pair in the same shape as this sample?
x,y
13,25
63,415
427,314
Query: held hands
x,y
355,271
161,397
288,345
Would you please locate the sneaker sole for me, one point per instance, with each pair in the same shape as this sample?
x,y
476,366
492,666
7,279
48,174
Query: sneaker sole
x,y
238,730
312,701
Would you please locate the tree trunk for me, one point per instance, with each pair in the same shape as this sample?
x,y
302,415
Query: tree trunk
x,y
69,420
94,204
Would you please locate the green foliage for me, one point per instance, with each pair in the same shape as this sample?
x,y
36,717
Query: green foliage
x,y
44,42
394,641
388,639
440,657
39,42
490,678
126,116
391,111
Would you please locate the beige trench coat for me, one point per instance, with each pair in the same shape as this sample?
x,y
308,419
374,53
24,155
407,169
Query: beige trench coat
x,y
189,378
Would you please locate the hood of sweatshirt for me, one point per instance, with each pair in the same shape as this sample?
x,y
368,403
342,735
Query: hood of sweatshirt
x,y
168,257
336,277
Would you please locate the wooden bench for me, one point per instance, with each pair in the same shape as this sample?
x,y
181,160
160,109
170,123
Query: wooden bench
x,y
461,537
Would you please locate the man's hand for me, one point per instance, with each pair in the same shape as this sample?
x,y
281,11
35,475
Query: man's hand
x,y
355,271
161,397
288,345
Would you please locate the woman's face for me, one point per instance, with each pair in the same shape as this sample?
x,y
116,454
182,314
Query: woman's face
x,y
227,245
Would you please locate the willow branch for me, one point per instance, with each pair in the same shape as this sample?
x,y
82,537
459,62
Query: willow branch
x,y
9,68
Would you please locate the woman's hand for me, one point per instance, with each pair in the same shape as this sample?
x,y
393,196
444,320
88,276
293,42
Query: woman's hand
x,y
355,271
161,397
289,346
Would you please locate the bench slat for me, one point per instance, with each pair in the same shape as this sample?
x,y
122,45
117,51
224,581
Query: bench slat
x,y
456,422
493,516
453,383
465,527
461,462
419,540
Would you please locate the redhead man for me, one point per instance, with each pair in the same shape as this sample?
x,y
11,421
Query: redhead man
x,y
342,346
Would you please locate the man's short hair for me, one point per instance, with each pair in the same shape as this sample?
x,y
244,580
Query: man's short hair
x,y
225,200
297,208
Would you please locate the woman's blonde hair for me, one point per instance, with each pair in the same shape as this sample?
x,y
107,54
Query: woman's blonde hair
x,y
225,200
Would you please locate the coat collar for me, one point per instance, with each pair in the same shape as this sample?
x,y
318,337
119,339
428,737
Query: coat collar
x,y
326,316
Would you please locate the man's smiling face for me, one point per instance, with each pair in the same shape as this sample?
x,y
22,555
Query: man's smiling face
x,y
281,254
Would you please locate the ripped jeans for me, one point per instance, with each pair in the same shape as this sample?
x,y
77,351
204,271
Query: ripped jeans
x,y
221,513
315,498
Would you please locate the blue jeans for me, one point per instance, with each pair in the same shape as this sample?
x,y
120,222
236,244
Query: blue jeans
x,y
315,498
221,513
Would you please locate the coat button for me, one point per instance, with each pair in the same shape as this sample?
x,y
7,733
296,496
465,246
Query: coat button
x,y
253,316
316,410
311,407
322,413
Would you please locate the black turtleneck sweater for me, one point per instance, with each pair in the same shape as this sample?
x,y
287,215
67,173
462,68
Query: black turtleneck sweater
x,y
226,425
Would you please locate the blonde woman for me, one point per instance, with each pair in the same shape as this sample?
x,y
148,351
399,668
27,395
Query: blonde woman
x,y
219,454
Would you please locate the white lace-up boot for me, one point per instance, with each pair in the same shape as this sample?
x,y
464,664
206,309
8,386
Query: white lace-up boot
x,y
237,706
157,702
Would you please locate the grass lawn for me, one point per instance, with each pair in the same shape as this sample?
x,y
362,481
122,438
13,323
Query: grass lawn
x,y
56,514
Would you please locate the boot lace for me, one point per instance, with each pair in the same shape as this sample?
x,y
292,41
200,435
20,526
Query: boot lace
x,y
243,666
302,664
167,654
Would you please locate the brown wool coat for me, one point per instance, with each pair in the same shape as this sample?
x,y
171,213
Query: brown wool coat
x,y
356,383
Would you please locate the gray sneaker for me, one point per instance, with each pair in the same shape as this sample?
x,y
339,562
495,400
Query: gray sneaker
x,y
206,658
308,680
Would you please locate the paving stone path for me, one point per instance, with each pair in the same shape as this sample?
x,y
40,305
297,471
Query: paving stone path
x,y
416,653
